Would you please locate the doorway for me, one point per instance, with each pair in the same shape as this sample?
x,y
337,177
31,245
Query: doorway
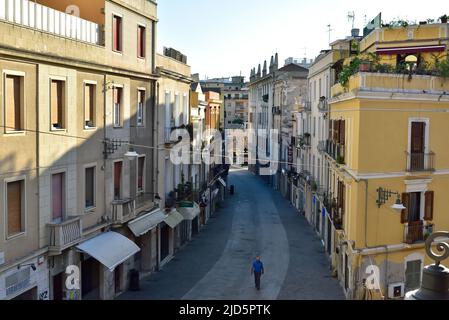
x,y
417,146
90,279
58,281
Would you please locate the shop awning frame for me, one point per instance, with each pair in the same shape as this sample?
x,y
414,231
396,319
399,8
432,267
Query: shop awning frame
x,y
146,222
411,50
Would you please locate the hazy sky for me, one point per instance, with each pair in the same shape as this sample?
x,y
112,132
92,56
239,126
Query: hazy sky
x,y
224,38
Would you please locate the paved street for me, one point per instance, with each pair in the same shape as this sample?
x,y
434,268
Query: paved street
x,y
216,264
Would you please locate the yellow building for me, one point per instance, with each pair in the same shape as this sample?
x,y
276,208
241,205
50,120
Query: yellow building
x,y
388,132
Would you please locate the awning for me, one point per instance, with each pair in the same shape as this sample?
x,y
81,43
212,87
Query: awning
x,y
189,213
110,249
411,50
222,182
173,218
147,222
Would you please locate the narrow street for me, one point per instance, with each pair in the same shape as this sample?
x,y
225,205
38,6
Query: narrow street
x,y
216,264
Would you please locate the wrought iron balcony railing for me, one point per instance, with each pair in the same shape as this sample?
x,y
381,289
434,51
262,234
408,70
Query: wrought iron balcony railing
x,y
420,161
415,232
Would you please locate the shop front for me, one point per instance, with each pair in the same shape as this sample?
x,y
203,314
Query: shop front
x,y
170,235
105,265
190,212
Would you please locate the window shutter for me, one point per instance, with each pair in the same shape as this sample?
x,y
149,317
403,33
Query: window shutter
x,y
342,132
117,179
406,202
54,102
13,96
428,213
57,194
14,198
88,102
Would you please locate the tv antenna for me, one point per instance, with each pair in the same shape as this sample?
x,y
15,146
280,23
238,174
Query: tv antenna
x,y
351,18
305,52
329,30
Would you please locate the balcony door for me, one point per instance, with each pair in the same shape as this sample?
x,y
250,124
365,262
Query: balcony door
x,y
417,146
118,180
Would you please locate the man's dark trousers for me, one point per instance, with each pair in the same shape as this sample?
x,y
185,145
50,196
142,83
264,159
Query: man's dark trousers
x,y
257,279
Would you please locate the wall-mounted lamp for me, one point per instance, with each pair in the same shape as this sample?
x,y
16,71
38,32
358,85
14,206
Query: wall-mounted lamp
x,y
383,195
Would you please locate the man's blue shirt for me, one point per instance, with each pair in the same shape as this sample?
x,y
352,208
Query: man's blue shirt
x,y
257,266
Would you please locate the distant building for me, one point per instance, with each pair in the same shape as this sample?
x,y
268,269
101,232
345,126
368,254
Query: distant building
x,y
300,62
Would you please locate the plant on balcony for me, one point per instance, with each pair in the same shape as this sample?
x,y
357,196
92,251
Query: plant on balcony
x,y
340,160
442,67
444,18
314,186
348,71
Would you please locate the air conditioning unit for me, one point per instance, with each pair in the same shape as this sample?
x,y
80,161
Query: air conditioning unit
x,y
396,290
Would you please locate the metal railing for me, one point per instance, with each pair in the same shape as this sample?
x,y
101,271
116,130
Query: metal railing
x,y
307,105
36,16
417,232
420,161
64,234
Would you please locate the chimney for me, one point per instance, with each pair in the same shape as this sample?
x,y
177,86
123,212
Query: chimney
x,y
258,71
276,62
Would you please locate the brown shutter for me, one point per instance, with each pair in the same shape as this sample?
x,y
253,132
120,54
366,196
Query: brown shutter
x,y
89,102
417,139
141,41
406,203
13,103
116,33
428,213
14,198
56,103
342,133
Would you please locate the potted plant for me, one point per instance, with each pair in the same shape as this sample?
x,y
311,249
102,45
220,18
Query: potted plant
x,y
444,18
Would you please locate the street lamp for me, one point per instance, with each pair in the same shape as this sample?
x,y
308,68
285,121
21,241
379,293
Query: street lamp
x,y
435,278
383,195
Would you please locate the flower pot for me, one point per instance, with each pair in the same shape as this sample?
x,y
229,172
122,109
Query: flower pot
x,y
365,66
443,20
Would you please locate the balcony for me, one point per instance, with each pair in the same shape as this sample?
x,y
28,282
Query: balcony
x,y
416,232
323,105
38,17
123,210
392,82
420,162
336,152
64,234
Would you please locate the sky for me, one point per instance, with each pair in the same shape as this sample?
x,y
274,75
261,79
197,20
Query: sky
x,y
222,38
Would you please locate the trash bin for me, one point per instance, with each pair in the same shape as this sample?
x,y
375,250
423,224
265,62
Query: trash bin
x,y
134,280
232,190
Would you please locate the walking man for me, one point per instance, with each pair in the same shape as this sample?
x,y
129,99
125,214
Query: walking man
x,y
257,270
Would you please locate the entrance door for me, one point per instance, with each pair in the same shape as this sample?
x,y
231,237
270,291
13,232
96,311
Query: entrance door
x,y
58,281
90,279
165,242
117,279
415,224
417,147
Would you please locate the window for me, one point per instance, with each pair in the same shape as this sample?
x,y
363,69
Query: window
x,y
141,175
89,187
89,105
58,196
117,33
57,104
141,41
118,180
117,92
15,207
14,103
140,107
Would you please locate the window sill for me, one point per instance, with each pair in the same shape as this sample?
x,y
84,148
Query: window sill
x,y
141,58
117,52
118,127
15,133
90,128
58,129
15,236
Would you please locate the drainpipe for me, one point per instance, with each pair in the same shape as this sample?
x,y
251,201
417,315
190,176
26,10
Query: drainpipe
x,y
105,90
155,139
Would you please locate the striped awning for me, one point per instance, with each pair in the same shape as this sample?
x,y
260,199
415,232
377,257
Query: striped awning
x,y
411,50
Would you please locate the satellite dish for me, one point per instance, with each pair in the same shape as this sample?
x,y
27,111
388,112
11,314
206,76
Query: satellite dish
x,y
73,10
